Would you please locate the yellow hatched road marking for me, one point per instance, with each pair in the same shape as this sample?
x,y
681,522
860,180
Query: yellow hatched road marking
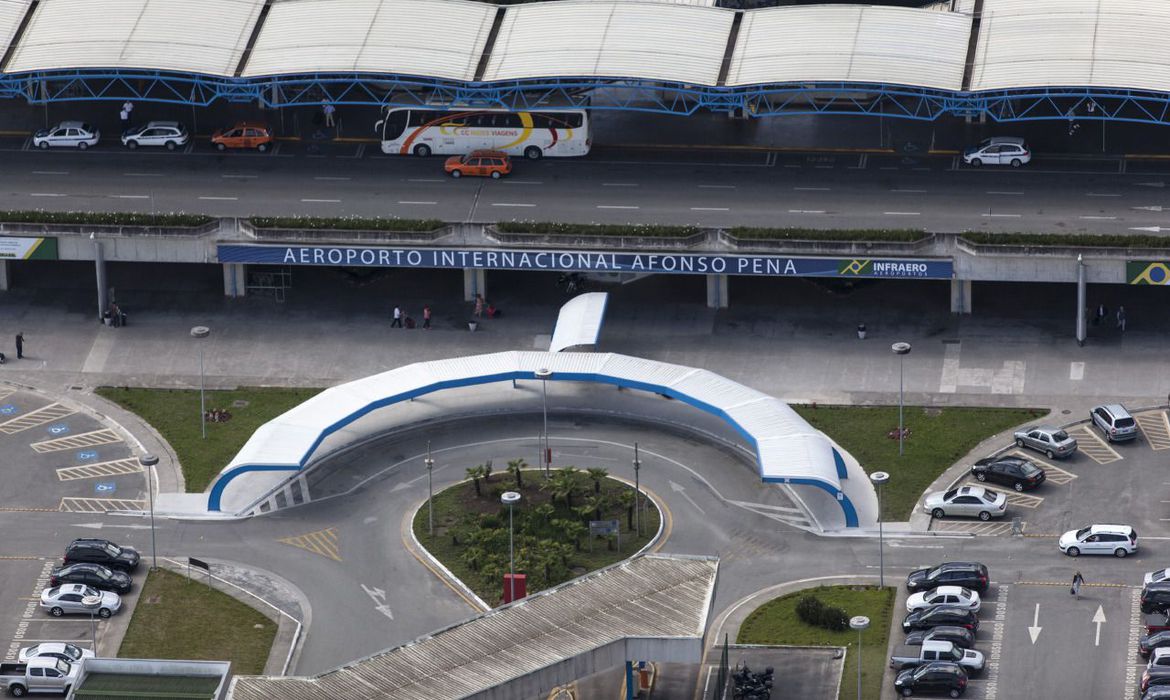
x,y
1053,473
44,414
74,504
1024,500
1094,447
1155,426
975,528
105,436
324,542
115,467
5,392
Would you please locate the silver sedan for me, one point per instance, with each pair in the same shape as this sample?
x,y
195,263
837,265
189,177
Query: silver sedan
x,y
972,501
1053,442
79,598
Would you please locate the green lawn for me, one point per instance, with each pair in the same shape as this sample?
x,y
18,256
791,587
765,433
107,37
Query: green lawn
x,y
471,532
177,618
174,413
938,437
775,622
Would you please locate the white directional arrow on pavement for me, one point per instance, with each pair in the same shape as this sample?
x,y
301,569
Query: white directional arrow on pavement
x,y
1156,207
1034,630
683,492
1151,229
379,597
1152,184
1098,618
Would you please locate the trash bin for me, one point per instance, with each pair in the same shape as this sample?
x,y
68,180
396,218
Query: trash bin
x,y
861,331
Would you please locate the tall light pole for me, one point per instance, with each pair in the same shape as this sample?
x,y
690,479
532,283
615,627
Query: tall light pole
x,y
148,462
859,623
430,492
901,350
510,498
637,490
201,332
92,603
543,374
879,479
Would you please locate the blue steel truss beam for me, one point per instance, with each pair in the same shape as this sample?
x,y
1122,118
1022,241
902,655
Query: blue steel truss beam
x,y
894,101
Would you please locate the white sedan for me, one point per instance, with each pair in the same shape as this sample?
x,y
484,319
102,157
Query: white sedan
x,y
67,135
973,501
58,650
950,596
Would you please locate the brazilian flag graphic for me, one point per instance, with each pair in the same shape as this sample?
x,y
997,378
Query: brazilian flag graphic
x,y
1147,272
855,267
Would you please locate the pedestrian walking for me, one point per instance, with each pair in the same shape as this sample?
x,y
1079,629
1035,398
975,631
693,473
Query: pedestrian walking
x,y
1102,312
127,108
427,317
478,305
328,109
1076,585
20,345
1121,318
397,322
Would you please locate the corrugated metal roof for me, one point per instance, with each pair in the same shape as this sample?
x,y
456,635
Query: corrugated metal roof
x,y
611,39
654,596
579,321
207,37
851,43
439,38
11,12
1093,43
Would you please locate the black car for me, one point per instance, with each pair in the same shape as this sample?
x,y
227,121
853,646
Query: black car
x,y
1019,473
1150,642
1154,677
100,577
1156,597
959,636
1157,692
948,615
104,552
968,574
934,678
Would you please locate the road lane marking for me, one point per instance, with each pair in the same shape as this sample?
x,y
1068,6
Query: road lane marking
x,y
130,196
332,179
510,181
806,211
511,204
220,199
406,201
321,201
902,213
142,175
1102,194
324,542
1098,218
1001,192
615,206
717,187
240,177
1002,216
46,194
812,189
1076,371
710,209
50,172
425,179
904,191
622,184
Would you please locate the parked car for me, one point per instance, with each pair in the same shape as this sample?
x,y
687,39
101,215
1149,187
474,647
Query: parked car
x,y
1155,576
67,135
972,501
952,596
1152,678
169,135
100,577
39,675
1159,660
1150,642
959,636
968,574
493,164
1155,597
935,678
1157,692
937,617
1114,421
1118,540
244,135
57,650
999,150
104,552
73,598
1051,442
1019,473
912,656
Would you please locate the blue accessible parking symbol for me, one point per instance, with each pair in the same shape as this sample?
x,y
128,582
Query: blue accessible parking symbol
x,y
105,487
87,455
8,409
59,429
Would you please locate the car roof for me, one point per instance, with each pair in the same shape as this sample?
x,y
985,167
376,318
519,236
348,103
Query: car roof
x,y
245,125
90,540
972,490
488,152
72,124
1115,408
957,565
1006,139
172,124
1114,529
950,590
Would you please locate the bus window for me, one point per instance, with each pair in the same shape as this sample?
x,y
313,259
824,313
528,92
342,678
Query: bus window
x,y
394,124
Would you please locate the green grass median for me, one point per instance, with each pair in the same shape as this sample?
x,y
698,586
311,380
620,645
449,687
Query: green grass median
x,y
937,438
178,618
776,622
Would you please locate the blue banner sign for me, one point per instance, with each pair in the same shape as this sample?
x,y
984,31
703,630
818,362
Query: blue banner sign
x,y
582,261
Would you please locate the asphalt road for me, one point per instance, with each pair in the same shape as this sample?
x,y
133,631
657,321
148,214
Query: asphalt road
x,y
677,186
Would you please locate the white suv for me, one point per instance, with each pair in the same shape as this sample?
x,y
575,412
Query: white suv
x,y
169,134
999,150
1118,540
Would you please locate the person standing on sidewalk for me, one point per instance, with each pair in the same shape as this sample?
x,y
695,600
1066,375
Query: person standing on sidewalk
x,y
397,322
478,305
1121,318
20,345
427,317
127,108
1076,585
328,109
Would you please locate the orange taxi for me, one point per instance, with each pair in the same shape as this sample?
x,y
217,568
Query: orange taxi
x,y
493,164
244,135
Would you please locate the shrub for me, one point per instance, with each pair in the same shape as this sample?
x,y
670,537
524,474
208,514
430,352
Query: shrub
x,y
812,611
345,223
104,218
812,234
1073,240
562,229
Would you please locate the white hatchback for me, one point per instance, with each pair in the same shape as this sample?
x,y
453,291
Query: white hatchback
x,y
950,596
1118,540
67,135
999,150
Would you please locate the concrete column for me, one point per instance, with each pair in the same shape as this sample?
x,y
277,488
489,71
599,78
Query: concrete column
x,y
1082,301
235,277
5,278
960,296
473,283
717,291
99,262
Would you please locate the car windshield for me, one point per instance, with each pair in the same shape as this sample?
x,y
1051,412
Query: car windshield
x,y
112,549
54,591
63,667
1159,575
72,652
1029,469
984,143
32,651
1082,532
950,494
1060,436
86,590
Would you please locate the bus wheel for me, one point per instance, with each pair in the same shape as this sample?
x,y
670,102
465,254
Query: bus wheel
x,y
532,153
422,150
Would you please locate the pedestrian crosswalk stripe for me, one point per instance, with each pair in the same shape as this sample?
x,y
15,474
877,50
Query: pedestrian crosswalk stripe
x,y
44,414
1155,427
74,504
105,436
130,465
324,542
1052,473
1093,446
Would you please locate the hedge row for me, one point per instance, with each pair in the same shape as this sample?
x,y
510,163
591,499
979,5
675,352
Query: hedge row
x,y
814,611
345,223
104,218
811,234
1070,240
562,229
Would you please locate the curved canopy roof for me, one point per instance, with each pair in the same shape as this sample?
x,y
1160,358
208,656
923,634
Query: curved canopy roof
x,y
579,321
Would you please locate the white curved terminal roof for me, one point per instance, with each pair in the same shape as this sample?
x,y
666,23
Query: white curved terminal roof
x,y
439,38
851,43
207,36
11,12
1091,43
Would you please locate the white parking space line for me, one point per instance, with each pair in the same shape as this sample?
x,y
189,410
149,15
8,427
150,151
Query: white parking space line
x,y
1136,629
1076,371
220,199
511,204
321,201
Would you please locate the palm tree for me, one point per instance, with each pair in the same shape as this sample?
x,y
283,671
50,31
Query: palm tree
x,y
597,474
474,473
627,500
487,471
571,530
514,467
561,487
473,556
585,510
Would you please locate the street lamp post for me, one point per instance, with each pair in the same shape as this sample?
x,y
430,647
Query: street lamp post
x,y
148,462
430,492
543,374
879,479
201,332
510,498
859,623
637,490
92,602
901,350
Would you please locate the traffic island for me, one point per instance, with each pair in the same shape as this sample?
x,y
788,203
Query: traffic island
x,y
565,525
